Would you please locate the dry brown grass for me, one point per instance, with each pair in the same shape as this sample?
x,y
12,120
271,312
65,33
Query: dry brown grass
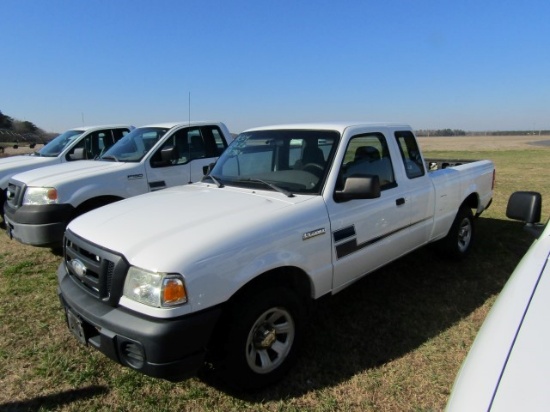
x,y
392,342
484,143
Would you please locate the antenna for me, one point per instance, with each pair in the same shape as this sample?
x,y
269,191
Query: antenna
x,y
189,142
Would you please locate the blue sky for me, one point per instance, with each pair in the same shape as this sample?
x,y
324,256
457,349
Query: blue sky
x,y
472,65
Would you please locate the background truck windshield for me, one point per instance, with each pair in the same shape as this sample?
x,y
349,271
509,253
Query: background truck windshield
x,y
294,160
56,146
133,146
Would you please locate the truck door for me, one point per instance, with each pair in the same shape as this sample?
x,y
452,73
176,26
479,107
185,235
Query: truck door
x,y
182,157
417,189
367,233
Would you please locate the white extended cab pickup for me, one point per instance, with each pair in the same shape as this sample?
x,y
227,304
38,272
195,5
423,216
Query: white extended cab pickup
x,y
75,144
225,269
40,203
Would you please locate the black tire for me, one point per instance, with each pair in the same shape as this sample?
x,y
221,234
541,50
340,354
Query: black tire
x,y
262,342
458,242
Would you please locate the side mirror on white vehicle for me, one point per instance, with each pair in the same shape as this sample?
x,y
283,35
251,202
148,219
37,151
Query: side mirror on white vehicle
x,y
526,207
208,168
168,155
78,154
358,187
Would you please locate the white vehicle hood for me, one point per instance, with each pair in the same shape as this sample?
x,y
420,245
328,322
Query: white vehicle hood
x,y
188,223
507,367
55,175
524,383
16,164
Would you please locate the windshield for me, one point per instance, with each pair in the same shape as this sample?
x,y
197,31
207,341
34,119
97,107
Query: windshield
x,y
56,146
296,161
133,146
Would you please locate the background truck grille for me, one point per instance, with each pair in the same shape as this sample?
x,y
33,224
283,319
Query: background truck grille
x,y
14,194
98,271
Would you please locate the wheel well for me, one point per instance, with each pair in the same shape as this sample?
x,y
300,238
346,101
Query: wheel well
x,y
94,203
472,201
291,277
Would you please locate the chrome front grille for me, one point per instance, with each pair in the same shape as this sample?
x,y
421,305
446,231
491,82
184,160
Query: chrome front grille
x,y
14,194
94,268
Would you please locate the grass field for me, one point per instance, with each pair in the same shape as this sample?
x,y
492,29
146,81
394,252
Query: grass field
x,y
392,342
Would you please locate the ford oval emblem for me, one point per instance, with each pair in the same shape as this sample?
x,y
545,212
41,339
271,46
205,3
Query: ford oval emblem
x,y
78,267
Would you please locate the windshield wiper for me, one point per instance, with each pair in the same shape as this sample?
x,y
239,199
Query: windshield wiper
x,y
109,157
271,185
214,179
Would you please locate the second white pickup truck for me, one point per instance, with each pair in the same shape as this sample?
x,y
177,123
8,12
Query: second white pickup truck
x,y
41,202
79,143
226,269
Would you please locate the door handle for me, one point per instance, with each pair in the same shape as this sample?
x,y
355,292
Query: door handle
x,y
400,201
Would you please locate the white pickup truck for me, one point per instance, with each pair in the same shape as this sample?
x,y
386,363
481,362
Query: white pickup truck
x,y
40,203
90,139
226,269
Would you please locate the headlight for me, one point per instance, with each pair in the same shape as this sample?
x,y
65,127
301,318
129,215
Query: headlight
x,y
159,290
40,196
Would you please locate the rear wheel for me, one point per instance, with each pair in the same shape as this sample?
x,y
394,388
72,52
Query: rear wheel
x,y
458,242
261,344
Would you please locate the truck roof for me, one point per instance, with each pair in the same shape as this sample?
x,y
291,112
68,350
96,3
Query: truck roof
x,y
105,126
170,125
339,126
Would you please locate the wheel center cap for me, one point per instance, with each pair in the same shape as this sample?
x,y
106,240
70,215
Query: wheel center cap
x,y
265,338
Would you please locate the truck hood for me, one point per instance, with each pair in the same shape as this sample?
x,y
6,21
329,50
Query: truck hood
x,y
201,219
53,176
15,164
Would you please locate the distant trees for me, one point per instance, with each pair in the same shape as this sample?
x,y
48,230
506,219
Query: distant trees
x,y
459,132
441,132
6,122
24,127
17,131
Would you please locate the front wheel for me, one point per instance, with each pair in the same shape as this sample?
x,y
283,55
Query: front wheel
x,y
458,242
266,330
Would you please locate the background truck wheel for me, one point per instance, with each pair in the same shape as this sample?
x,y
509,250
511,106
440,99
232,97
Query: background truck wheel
x,y
265,333
458,242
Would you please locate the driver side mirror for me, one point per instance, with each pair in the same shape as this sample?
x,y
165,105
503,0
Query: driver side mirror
x,y
167,155
359,187
526,207
77,154
207,169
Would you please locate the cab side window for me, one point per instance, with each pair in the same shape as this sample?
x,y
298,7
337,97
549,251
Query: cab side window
x,y
414,166
215,142
92,145
119,134
96,143
368,155
186,145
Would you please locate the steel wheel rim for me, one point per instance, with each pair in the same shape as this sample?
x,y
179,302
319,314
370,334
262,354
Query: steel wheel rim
x,y
464,234
270,340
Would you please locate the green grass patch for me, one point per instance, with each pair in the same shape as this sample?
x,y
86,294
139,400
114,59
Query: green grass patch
x,y
393,341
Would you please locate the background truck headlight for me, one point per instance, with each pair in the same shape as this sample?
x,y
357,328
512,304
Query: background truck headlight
x,y
159,290
40,196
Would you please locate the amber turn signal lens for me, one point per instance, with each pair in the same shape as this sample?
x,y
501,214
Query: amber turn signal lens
x,y
173,292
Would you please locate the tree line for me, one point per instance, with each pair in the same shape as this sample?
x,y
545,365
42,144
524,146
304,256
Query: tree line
x,y
21,131
459,132
440,132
